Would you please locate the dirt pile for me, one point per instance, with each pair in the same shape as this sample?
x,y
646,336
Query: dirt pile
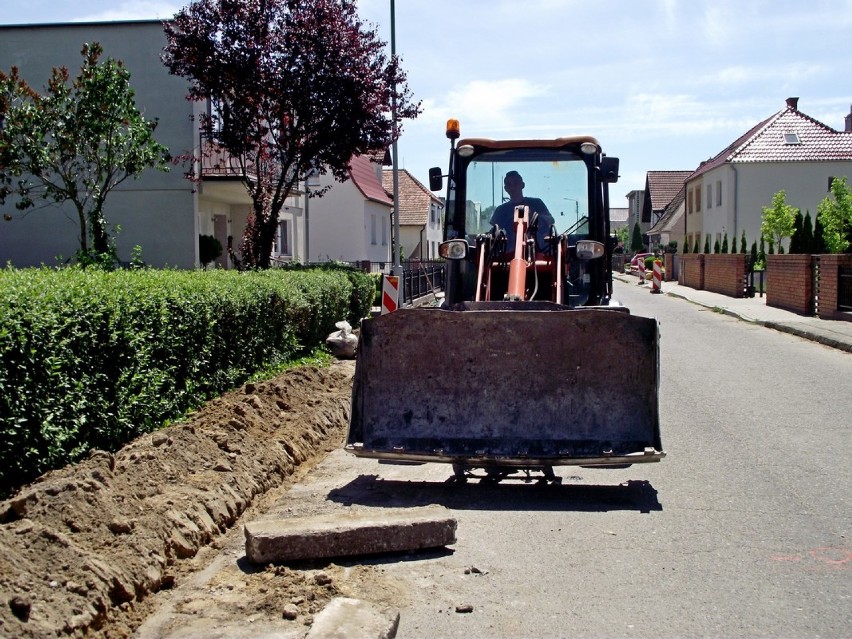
x,y
82,548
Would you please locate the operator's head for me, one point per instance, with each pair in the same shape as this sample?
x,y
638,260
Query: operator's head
x,y
514,184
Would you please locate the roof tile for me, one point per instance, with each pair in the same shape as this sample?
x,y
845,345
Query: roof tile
x,y
363,171
765,142
414,198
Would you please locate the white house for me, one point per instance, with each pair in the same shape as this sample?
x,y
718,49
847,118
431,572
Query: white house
x,y
352,221
165,213
789,150
420,215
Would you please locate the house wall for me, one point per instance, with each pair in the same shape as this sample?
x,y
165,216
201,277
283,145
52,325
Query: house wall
x,y
806,185
748,188
156,212
345,226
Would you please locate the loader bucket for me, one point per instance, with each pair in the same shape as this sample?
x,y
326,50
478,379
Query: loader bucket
x,y
514,384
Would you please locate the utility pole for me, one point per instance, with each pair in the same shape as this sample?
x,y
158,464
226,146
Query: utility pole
x,y
397,260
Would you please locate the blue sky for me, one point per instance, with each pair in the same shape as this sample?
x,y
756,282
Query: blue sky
x,y
663,84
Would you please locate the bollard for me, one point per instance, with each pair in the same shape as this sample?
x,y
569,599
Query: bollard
x,y
390,293
657,280
641,265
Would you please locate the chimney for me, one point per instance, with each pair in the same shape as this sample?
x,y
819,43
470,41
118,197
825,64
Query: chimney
x,y
793,103
848,128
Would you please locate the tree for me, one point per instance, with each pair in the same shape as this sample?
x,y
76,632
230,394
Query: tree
x,y
725,243
835,213
820,247
75,143
778,220
636,243
621,233
685,245
697,246
294,85
797,240
743,245
707,244
808,234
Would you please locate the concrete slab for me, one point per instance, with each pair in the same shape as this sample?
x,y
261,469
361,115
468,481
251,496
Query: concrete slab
x,y
349,534
344,618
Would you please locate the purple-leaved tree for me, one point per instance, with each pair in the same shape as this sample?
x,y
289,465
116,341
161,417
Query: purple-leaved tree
x,y
294,84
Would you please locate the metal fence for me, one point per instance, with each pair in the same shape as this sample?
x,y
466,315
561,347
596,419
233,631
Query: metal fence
x,y
419,277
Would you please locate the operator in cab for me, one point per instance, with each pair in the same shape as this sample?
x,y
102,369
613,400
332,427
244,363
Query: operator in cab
x,y
504,215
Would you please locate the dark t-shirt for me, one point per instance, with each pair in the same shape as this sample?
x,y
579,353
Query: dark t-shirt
x,y
504,217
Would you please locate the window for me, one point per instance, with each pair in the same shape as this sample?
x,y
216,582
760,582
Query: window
x,y
373,229
697,199
791,137
282,238
710,197
830,180
719,193
689,201
384,231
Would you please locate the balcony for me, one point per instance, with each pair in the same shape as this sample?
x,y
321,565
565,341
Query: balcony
x,y
216,162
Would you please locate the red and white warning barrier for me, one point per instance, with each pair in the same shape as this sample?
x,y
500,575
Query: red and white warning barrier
x,y
390,293
658,277
641,264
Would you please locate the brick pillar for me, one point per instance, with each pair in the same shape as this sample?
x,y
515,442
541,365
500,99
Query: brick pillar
x,y
829,280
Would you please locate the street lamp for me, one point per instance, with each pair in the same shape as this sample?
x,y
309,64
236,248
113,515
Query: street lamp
x,y
576,210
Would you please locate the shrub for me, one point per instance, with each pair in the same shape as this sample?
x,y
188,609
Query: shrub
x,y
209,248
91,359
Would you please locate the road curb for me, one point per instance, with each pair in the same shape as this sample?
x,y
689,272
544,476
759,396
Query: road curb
x,y
348,534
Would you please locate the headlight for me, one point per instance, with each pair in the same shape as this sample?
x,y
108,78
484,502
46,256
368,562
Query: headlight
x,y
453,249
465,150
589,249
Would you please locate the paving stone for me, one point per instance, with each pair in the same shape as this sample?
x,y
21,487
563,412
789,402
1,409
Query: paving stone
x,y
344,618
349,534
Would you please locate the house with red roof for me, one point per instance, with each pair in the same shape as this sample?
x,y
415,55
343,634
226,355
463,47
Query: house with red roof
x,y
789,150
352,221
670,225
661,187
420,215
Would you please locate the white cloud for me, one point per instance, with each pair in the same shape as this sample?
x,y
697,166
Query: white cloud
x,y
142,10
484,105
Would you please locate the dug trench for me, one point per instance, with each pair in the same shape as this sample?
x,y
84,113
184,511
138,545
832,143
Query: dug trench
x,y
86,551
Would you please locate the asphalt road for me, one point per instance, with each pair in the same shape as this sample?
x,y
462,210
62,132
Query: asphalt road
x,y
743,530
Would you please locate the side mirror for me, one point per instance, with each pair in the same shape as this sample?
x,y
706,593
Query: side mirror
x,y
436,180
609,170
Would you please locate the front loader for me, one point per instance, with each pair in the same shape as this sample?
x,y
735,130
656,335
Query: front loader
x,y
528,363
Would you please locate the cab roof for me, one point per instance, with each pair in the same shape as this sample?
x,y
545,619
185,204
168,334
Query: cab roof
x,y
553,143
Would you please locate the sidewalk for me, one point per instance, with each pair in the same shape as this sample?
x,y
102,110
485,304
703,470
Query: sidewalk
x,y
833,333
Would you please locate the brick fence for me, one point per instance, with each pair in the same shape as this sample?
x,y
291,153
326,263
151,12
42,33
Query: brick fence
x,y
725,274
829,282
692,270
790,283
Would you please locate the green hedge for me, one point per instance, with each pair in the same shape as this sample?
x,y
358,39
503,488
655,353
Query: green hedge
x,y
92,359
